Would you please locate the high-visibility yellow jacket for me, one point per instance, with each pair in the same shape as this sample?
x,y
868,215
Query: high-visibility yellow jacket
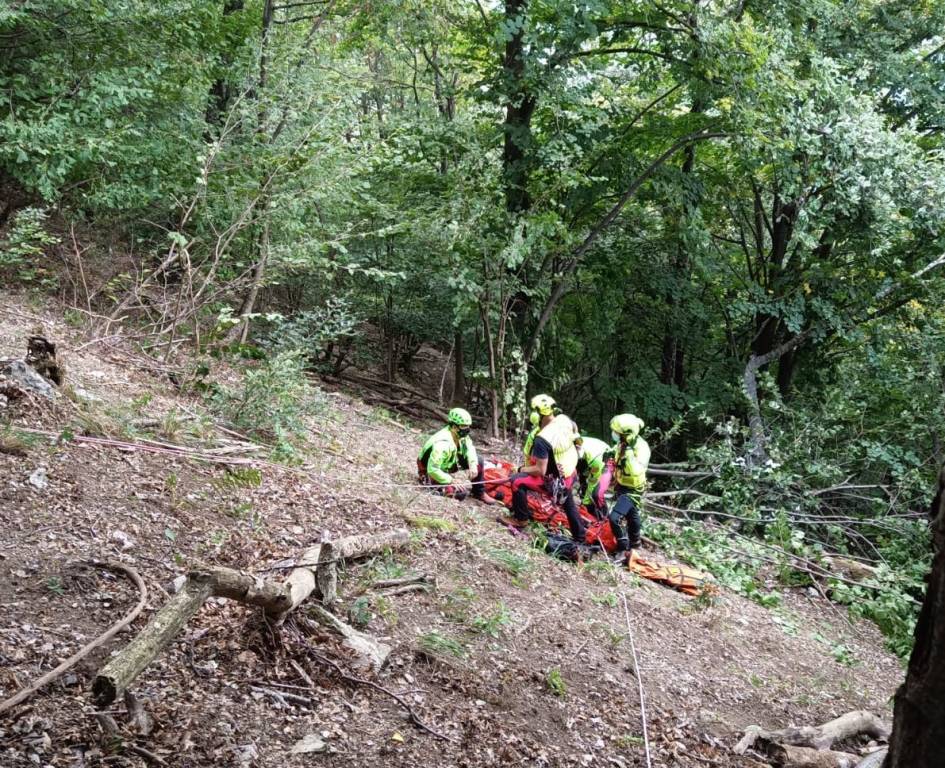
x,y
559,434
527,448
440,455
630,463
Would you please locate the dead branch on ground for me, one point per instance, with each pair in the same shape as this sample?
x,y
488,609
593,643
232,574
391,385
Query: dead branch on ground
x,y
276,598
91,646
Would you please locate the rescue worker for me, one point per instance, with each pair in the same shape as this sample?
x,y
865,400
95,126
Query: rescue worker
x,y
593,458
448,451
631,459
553,468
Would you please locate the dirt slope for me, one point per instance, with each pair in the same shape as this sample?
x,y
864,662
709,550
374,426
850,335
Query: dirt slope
x,y
519,659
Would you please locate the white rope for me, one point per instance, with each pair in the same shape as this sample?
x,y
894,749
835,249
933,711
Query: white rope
x,y
636,669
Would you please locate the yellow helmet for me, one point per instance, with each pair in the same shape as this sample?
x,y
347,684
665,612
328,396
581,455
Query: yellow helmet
x,y
543,404
626,426
459,417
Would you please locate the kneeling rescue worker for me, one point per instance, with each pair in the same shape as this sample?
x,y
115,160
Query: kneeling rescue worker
x,y
448,451
631,459
554,461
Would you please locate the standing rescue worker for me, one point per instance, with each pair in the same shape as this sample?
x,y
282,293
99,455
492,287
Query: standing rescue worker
x,y
449,450
554,463
631,459
593,458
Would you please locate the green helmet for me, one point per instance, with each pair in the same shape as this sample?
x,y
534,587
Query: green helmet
x,y
544,404
459,417
626,425
534,418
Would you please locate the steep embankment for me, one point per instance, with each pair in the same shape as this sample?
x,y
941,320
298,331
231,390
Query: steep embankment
x,y
519,659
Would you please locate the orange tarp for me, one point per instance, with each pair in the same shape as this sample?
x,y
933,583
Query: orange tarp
x,y
546,512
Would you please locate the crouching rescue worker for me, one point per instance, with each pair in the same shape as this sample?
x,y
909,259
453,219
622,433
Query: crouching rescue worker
x,y
553,465
447,452
631,459
593,458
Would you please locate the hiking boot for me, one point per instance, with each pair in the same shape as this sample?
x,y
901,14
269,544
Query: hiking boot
x,y
620,558
511,521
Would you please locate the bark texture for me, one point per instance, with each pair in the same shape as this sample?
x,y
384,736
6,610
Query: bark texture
x,y
918,737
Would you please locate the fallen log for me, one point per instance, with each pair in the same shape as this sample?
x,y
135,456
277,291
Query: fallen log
x,y
351,548
786,756
276,598
115,677
817,737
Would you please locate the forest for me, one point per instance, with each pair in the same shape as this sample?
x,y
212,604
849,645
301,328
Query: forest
x,y
723,216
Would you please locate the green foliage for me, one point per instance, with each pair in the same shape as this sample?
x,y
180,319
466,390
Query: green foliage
x,y
436,643
494,622
359,613
426,522
271,403
23,251
555,682
237,478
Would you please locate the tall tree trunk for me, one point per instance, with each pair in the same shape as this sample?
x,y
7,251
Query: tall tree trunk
x,y
918,735
220,92
493,377
458,395
259,275
519,108
262,256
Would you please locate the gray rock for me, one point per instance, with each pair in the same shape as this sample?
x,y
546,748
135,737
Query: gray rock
x,y
38,479
21,376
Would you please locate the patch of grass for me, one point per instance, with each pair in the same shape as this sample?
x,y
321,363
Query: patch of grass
x,y
386,567
608,598
515,563
359,614
54,585
437,643
494,622
16,443
430,523
701,602
458,603
555,682
241,511
628,741
237,478
385,609
602,570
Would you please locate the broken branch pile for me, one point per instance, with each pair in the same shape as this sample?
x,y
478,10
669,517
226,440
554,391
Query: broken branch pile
x,y
277,598
810,746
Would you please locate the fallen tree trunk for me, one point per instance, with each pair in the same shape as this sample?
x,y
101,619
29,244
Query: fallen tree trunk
x,y
351,548
785,756
115,677
819,737
276,598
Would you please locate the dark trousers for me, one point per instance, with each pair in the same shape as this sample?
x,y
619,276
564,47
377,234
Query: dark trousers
x,y
522,483
625,509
